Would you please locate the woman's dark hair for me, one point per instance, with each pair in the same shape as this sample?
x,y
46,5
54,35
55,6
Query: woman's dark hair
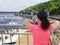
x,y
42,15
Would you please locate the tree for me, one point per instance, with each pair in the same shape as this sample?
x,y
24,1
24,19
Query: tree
x,y
52,6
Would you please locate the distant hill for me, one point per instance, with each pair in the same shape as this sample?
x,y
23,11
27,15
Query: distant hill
x,y
52,6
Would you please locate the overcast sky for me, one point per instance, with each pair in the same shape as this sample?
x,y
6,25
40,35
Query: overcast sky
x,y
17,5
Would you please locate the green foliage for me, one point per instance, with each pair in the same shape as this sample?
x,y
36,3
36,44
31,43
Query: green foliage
x,y
52,6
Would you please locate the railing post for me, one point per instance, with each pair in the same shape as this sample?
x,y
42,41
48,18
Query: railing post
x,y
10,38
27,40
19,38
2,38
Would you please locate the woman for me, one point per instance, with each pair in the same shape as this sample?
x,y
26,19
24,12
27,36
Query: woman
x,y
40,31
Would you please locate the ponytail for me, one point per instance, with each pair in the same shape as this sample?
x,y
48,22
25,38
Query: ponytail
x,y
45,24
42,15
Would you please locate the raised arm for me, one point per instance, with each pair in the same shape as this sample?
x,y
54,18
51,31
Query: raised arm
x,y
27,22
55,23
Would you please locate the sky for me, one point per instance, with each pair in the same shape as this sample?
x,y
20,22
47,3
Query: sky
x,y
17,5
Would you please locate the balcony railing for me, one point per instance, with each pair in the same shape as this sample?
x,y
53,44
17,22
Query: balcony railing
x,y
21,36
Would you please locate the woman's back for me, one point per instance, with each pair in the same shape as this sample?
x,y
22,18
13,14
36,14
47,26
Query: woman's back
x,y
40,36
41,32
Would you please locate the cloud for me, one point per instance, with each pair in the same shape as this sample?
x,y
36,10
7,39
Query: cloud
x,y
17,5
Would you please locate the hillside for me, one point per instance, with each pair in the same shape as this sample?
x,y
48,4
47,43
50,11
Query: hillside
x,y
53,6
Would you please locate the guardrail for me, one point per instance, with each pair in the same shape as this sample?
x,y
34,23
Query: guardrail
x,y
31,16
25,42
18,35
56,18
